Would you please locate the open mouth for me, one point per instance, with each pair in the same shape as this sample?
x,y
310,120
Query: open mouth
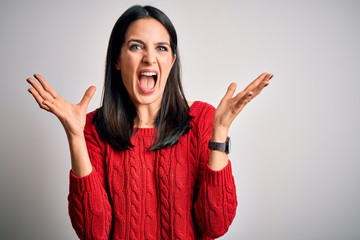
x,y
147,81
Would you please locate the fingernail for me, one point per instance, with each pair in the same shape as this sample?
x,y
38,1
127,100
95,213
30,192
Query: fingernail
x,y
271,76
266,85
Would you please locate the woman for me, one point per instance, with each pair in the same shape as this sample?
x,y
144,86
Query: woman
x,y
148,164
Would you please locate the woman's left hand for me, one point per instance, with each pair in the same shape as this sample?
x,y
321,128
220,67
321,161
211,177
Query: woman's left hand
x,y
230,106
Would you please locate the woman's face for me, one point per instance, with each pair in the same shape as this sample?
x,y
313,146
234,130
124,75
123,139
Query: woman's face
x,y
145,61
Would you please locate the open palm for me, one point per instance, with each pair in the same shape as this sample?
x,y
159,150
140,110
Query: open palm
x,y
230,106
72,116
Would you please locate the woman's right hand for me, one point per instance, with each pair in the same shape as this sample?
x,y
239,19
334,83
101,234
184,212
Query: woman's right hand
x,y
72,116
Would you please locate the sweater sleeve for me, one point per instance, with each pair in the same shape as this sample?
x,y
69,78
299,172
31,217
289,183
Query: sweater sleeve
x,y
89,207
216,202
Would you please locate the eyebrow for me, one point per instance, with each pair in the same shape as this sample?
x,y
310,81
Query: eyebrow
x,y
143,43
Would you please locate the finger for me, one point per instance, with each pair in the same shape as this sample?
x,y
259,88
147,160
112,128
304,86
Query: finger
x,y
253,88
38,99
264,77
265,82
45,85
88,96
39,89
230,91
242,99
49,105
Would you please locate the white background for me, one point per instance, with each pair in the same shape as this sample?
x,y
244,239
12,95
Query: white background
x,y
295,148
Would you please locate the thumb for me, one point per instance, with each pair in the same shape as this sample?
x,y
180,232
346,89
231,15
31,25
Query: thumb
x,y
230,91
88,96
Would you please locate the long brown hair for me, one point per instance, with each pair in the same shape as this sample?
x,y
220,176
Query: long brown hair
x,y
114,120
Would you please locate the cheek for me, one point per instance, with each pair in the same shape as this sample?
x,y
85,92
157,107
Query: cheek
x,y
126,60
128,80
127,69
127,77
168,64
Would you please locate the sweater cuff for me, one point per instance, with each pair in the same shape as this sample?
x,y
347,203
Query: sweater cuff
x,y
221,177
83,184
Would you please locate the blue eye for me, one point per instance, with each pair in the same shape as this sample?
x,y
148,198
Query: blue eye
x,y
162,48
135,47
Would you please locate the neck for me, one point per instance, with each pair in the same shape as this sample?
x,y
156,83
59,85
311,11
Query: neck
x,y
146,117
140,123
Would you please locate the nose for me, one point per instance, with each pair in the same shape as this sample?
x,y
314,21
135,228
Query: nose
x,y
149,57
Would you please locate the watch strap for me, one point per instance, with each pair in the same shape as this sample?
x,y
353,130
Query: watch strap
x,y
220,146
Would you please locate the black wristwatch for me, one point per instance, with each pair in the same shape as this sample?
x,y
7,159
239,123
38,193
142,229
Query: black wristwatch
x,y
220,146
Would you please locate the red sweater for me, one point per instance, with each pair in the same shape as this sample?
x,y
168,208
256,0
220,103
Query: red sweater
x,y
165,194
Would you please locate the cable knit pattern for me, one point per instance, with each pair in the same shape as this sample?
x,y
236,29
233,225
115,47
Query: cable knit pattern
x,y
165,194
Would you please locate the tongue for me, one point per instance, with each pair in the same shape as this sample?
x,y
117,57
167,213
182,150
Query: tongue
x,y
146,83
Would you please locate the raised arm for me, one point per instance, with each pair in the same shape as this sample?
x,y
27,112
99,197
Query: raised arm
x,y
215,206
227,111
89,207
71,116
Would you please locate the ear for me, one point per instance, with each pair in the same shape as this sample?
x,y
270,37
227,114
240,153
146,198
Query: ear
x,y
118,65
173,60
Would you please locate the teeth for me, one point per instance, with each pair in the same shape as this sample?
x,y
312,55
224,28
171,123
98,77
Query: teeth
x,y
148,74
